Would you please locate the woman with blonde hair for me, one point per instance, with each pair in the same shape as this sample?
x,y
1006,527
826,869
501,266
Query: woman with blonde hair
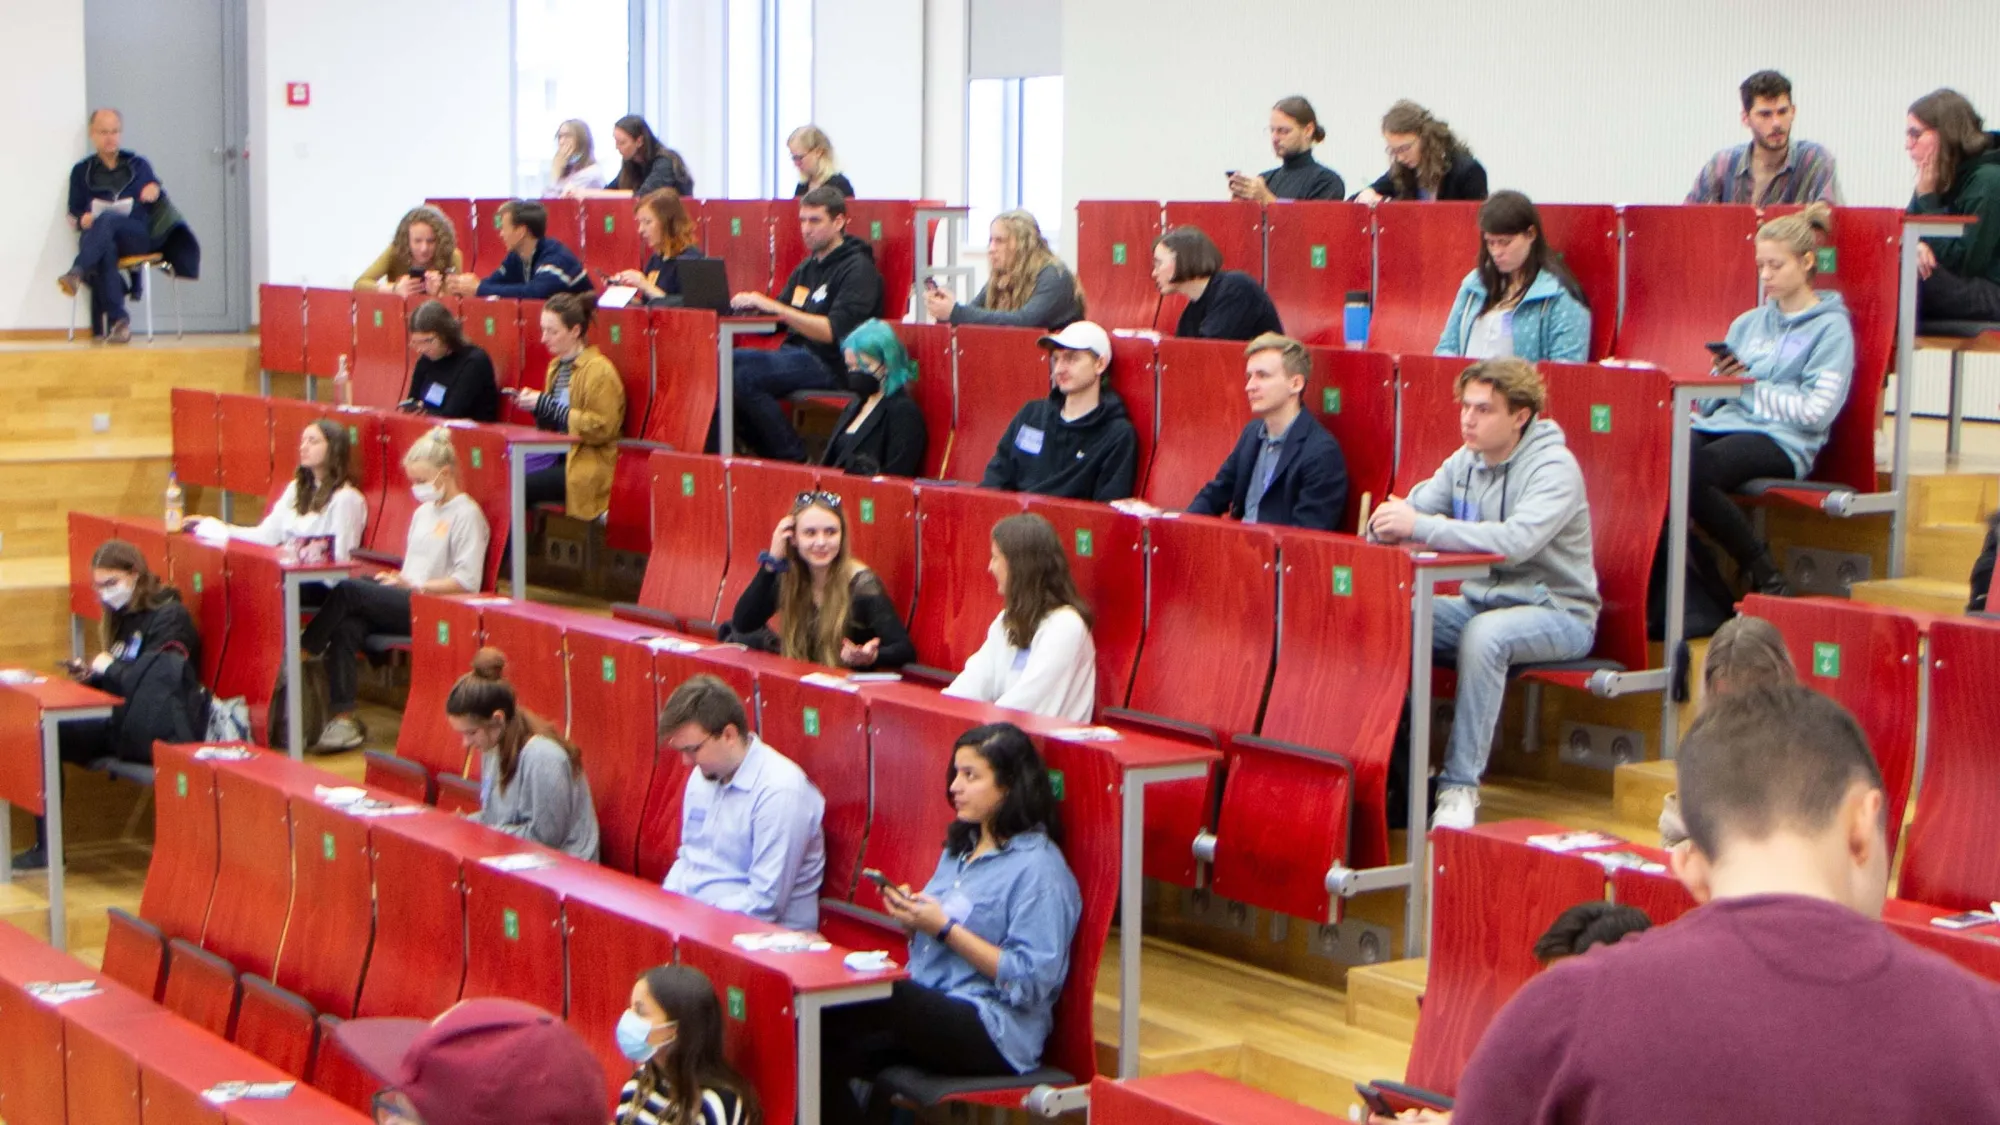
x,y
1426,160
831,608
575,170
531,780
667,230
419,259
812,156
1027,286
446,554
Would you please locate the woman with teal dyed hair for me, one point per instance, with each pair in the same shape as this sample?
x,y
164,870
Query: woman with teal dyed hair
x,y
881,433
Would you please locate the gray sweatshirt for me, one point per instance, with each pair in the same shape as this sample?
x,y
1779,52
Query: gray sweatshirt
x,y
1529,508
546,804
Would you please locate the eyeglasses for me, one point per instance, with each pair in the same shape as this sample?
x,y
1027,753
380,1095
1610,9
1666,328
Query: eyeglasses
x,y
1915,134
816,496
691,751
393,1107
1399,150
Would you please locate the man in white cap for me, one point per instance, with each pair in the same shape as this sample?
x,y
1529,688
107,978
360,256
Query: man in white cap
x,y
1078,442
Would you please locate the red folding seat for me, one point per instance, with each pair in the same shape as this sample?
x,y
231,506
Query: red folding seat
x,y
686,345
393,774
1317,253
289,418
382,356
197,436
197,571
1236,228
281,328
760,494
255,586
1584,236
936,390
566,221
532,637
760,1037
1202,412
1492,896
1353,394
150,538
660,828
628,522
418,965
690,537
494,323
482,463
374,474
1660,896
392,520
788,245
253,880
277,1026
1689,273
611,242
1135,375
1000,370
613,713
329,331
201,988
957,599
825,730
180,879
1867,659
332,924
889,228
135,953
444,635
515,938
1422,252
535,360
625,337
246,456
1951,858
86,534
739,232
1428,430
1107,560
1114,260
1192,1098
882,530
464,230
99,1081
626,935
491,253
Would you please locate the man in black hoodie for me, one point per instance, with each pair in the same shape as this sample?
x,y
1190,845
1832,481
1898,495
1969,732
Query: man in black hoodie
x,y
1078,442
831,294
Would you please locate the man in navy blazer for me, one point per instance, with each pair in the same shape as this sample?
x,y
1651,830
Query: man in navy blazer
x,y
1286,469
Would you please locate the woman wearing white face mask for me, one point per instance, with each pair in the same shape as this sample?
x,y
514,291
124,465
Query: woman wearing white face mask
x,y
673,1034
446,555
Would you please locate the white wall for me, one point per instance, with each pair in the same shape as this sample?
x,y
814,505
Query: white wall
x,y
946,25
42,88
868,91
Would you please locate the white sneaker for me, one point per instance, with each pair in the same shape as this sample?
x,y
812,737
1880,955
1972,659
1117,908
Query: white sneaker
x,y
1457,807
342,734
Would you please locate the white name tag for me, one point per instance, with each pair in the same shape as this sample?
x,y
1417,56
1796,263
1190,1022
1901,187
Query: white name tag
x,y
1028,440
434,396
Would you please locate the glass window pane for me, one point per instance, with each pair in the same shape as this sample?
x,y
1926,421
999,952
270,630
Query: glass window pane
x,y
1042,151
795,86
985,157
571,59
745,139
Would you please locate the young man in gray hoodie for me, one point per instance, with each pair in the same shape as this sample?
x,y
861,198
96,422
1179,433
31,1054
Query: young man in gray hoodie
x,y
1515,490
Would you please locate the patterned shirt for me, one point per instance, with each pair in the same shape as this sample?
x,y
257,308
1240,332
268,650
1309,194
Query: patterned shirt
x,y
1807,175
718,1107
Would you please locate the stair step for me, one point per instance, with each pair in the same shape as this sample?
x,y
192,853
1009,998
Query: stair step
x,y
1944,550
42,482
34,602
1931,595
1383,997
1941,498
1638,788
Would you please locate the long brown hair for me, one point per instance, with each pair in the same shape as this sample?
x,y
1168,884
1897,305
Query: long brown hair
x,y
1511,213
651,148
1961,133
1010,288
676,229
311,495
1038,580
1434,137
694,1061
402,262
147,589
484,692
806,632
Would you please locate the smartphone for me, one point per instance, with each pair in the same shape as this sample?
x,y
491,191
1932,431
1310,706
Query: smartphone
x,y
931,284
875,877
1964,921
1721,352
1373,1099
1232,173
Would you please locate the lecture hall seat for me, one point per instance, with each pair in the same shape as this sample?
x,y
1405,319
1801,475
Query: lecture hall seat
x,y
1317,253
1114,260
1423,251
1000,370
935,391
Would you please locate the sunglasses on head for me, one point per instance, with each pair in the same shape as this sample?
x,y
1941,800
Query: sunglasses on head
x,y
816,496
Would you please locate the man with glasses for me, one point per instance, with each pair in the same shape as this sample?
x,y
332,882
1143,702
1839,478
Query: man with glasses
x,y
751,840
1771,167
1077,441
481,1062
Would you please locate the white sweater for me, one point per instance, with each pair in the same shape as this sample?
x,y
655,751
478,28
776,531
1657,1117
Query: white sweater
x,y
345,517
1056,675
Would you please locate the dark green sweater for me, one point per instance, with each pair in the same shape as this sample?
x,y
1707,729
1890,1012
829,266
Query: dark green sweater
x,y
1976,253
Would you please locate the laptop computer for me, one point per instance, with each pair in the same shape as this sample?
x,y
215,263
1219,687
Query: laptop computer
x,y
704,284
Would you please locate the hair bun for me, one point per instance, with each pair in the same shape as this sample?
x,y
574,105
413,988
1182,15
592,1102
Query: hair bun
x,y
489,664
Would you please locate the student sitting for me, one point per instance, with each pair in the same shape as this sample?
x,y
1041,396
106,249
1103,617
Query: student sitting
x,y
1799,348
649,164
419,259
1426,160
531,780
1286,469
1520,300
1038,654
575,170
813,159
1771,167
673,1033
1958,173
751,838
831,608
1746,652
585,399
120,209
1222,304
484,1060
446,555
320,499
537,267
882,432
1027,285
453,377
990,936
1295,129
665,228
1078,441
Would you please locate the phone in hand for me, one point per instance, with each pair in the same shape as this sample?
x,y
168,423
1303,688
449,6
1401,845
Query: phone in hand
x,y
876,877
1722,353
1373,1099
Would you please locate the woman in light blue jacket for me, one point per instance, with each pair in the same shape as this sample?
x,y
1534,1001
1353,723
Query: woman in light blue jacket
x,y
1798,347
1521,301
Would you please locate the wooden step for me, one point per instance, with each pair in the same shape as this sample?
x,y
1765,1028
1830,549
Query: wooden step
x,y
1638,790
1382,998
42,482
34,603
56,390
1952,498
1944,550
1931,595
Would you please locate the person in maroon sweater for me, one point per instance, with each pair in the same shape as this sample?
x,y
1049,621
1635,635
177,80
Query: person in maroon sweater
x,y
1783,997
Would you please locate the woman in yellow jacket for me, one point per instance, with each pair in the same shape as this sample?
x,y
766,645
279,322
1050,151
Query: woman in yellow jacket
x,y
423,253
585,399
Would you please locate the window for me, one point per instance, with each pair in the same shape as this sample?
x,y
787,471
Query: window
x,y
572,58
1013,152
770,75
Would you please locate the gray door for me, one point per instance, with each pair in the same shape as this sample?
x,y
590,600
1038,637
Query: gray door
x,y
175,69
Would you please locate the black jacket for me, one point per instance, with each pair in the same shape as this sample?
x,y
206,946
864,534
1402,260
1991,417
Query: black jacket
x,y
1308,490
554,270
666,274
1302,177
1095,457
870,616
891,441
461,385
155,662
1233,307
1982,567
837,181
667,170
844,287
1465,179
165,226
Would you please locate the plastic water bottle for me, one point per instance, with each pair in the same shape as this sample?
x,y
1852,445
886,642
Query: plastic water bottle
x,y
343,385
176,504
1354,318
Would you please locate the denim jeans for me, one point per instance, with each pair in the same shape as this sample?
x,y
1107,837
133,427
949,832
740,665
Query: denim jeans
x,y
763,377
1487,641
111,236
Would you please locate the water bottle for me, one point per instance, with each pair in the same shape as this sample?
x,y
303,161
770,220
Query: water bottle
x,y
1354,318
343,385
176,504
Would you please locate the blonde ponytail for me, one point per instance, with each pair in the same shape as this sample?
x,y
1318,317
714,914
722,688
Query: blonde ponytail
x,y
1801,232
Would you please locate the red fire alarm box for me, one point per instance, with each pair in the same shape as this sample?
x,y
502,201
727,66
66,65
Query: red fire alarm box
x,y
298,93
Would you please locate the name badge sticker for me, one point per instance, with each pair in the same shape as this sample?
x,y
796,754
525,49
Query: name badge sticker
x,y
434,395
1029,440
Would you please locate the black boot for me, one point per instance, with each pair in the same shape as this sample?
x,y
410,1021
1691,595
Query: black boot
x,y
1766,578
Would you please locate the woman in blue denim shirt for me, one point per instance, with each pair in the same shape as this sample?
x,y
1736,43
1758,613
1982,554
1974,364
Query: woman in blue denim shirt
x,y
990,937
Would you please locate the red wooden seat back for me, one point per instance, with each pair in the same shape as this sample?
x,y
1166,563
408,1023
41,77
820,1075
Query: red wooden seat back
x,y
86,534
1135,375
624,940
824,730
1107,560
760,494
957,599
135,953
910,739
1584,236
197,572
1190,602
488,253
151,539
613,714
1114,260
392,526
1689,273
628,523
289,418
494,324
1092,822
660,825
739,232
329,331
788,246
625,336
690,535
255,588
532,638
1353,394
882,530
278,1026
515,944
1428,431
444,635
196,436
935,392
392,774
332,927
1422,252
246,456
685,343
888,226
611,241
1659,895
201,988
418,968
101,1077
463,229
999,371
1318,253
1202,412
1949,857
281,328
759,1028
180,879
253,879
1236,228
382,355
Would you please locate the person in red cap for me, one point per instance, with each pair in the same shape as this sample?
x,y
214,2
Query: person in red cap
x,y
481,1062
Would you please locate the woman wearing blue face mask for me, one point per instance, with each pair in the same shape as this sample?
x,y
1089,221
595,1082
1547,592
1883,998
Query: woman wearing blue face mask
x,y
446,554
673,1034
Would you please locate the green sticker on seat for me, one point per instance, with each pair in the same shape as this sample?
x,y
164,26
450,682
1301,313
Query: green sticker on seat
x,y
875,231
1343,581
510,924
197,581
1319,257
687,484
610,223
738,1010
326,845
1600,417
180,785
609,670
354,435
1117,253
810,718
1329,400
1826,260
867,510
444,632
1826,660
735,226
378,318
489,326
1083,543
1056,783
478,457
617,333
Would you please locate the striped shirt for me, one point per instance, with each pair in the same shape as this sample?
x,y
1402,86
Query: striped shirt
x,y
1807,175
718,1107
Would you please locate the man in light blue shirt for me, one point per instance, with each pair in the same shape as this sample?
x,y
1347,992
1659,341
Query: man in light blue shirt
x,y
750,820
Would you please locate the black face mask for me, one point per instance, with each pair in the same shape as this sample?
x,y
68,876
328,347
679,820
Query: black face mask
x,y
863,383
